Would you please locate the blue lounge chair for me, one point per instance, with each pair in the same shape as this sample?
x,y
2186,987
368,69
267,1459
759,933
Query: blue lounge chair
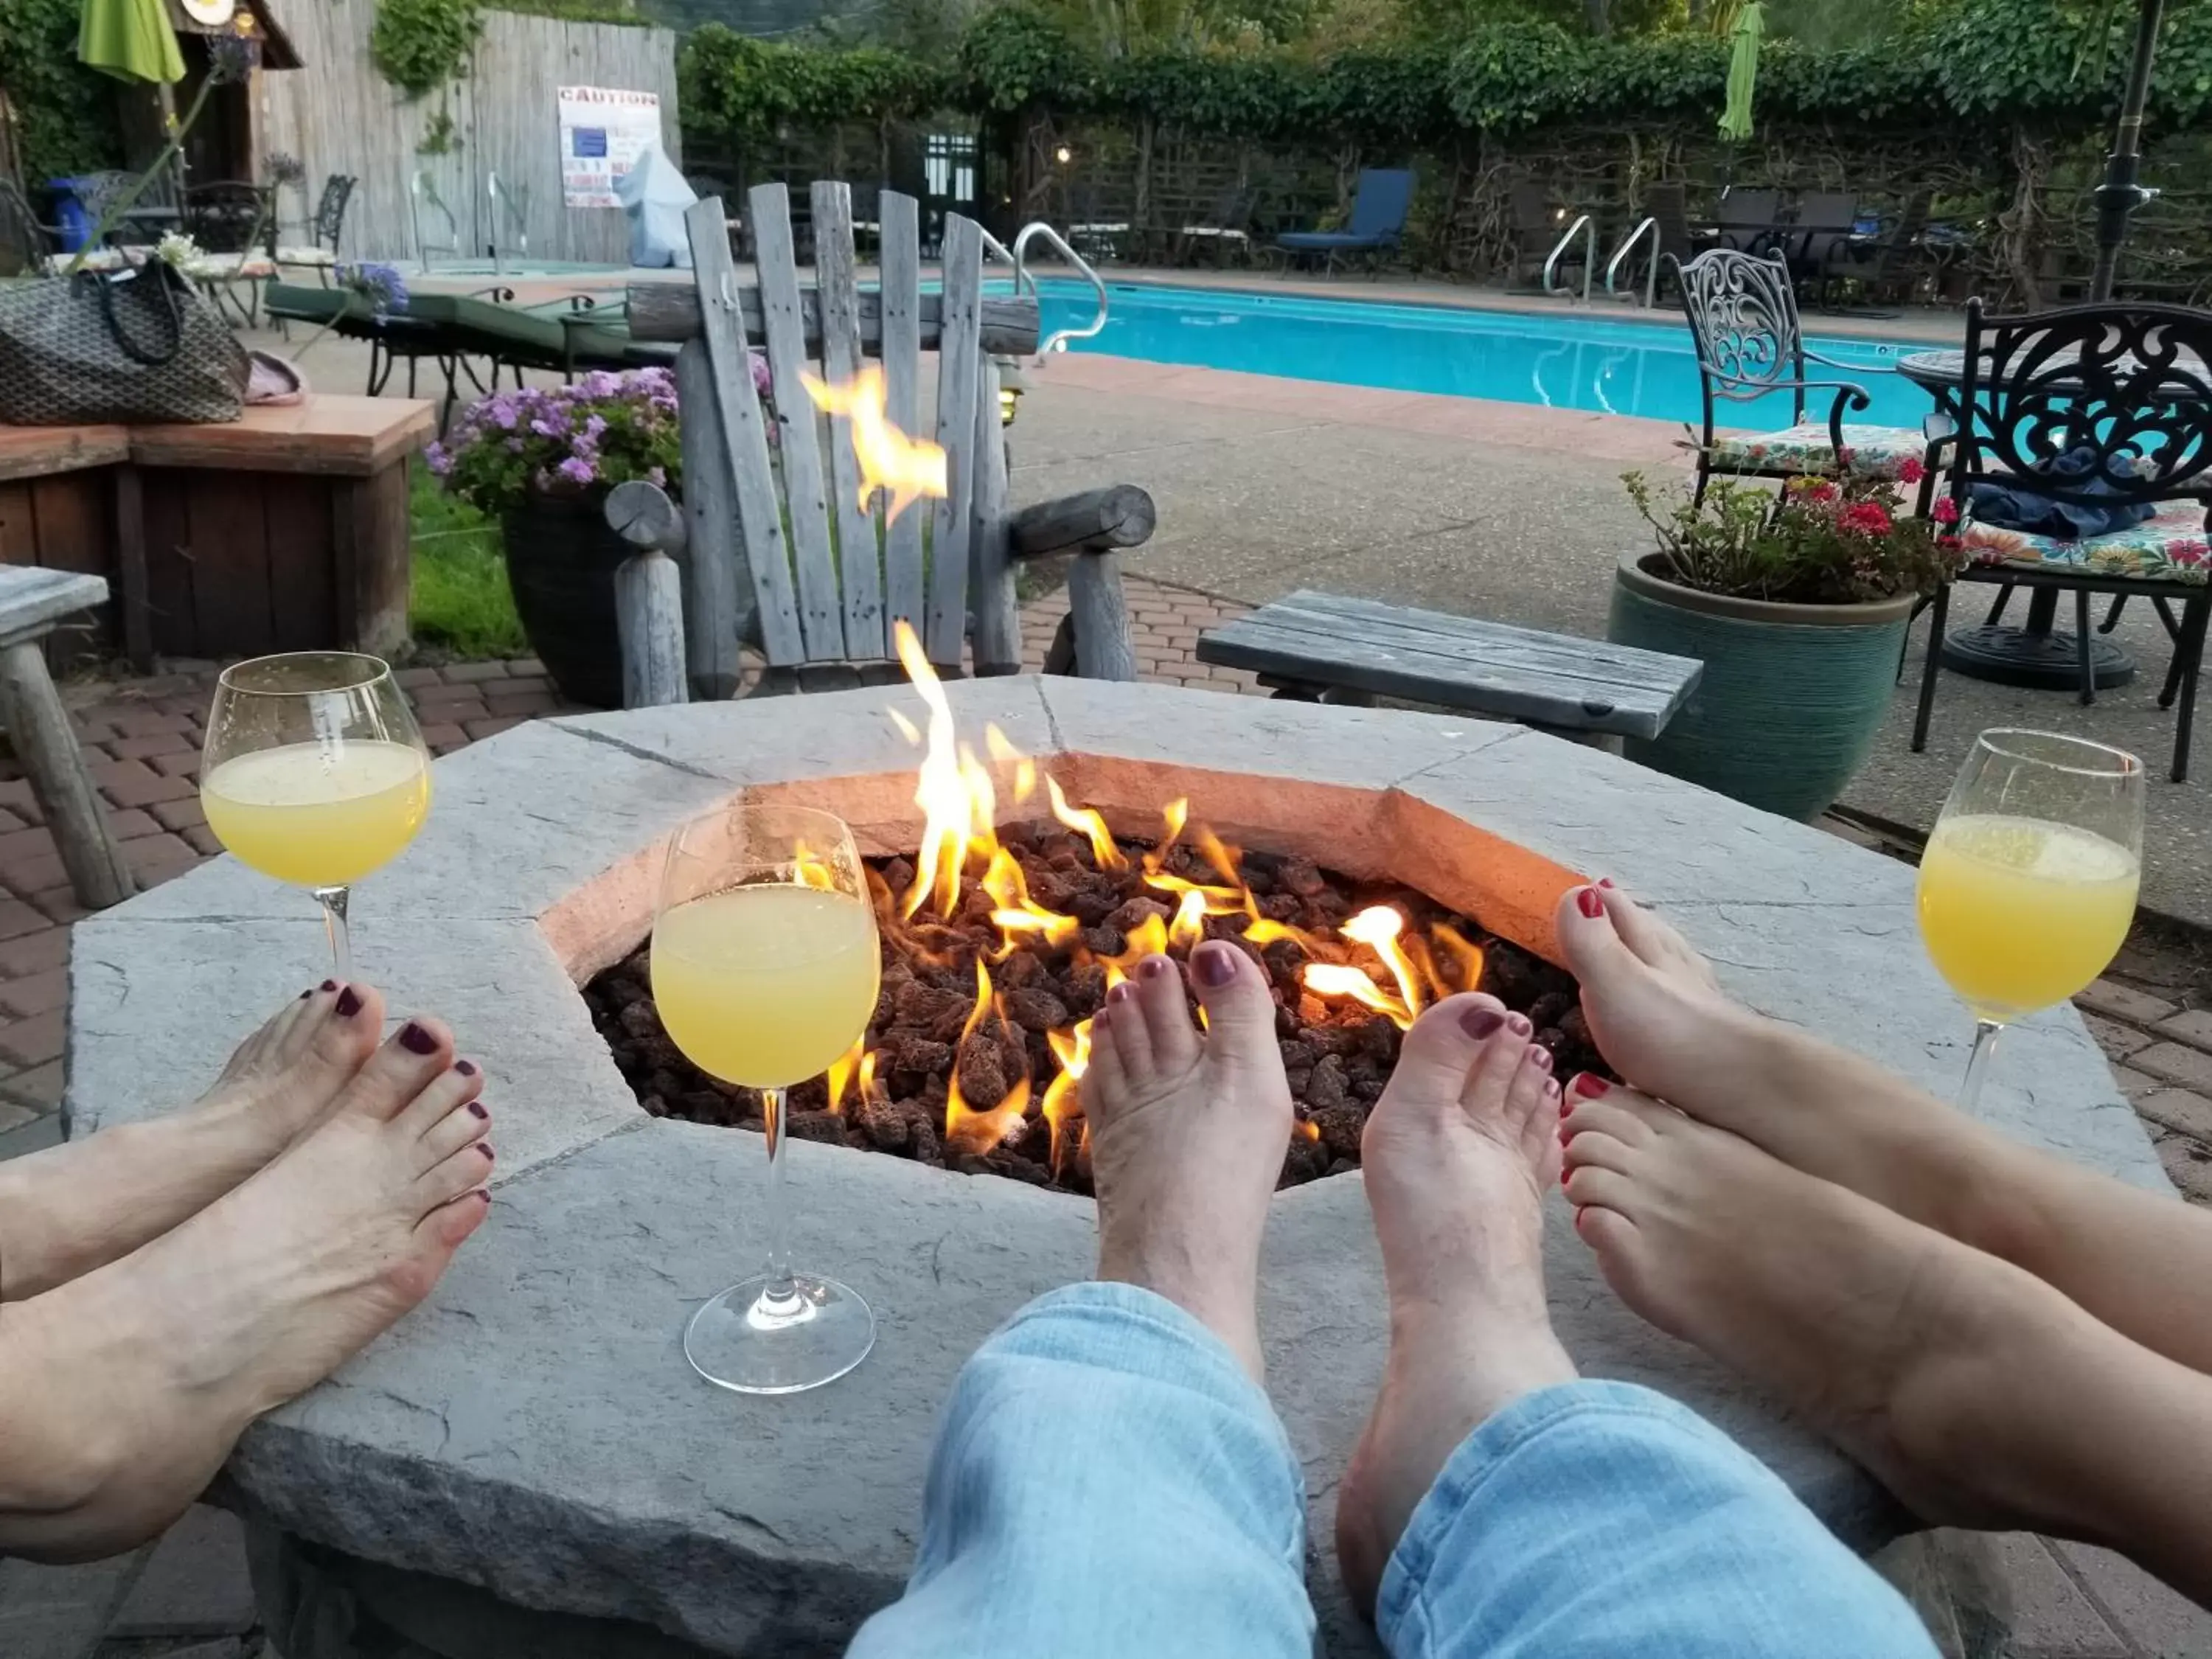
x,y
1378,222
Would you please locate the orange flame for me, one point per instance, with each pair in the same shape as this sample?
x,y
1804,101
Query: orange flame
x,y
841,1069
1328,979
904,469
1072,1048
1468,956
1188,927
1088,822
1378,926
966,1129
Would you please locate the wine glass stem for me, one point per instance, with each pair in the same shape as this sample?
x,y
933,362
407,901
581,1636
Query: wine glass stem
x,y
1977,1063
333,901
779,1291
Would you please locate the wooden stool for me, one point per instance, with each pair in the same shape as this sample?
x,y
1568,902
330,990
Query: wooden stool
x,y
1324,647
32,601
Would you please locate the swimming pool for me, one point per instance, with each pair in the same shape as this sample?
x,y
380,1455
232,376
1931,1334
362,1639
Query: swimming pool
x,y
1568,360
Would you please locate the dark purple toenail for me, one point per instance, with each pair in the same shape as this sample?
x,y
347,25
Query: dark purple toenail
x,y
304,995
417,1041
485,1146
477,1109
1540,1059
1479,1023
466,1067
1120,992
328,985
1520,1024
1153,967
1214,966
349,1003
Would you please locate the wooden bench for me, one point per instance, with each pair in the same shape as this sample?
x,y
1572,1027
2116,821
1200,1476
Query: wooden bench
x,y
1325,648
32,602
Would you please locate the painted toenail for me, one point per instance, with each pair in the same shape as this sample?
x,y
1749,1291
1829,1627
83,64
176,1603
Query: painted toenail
x,y
417,1041
1590,1087
1551,1092
485,1146
1518,1023
304,995
349,1003
466,1067
1604,881
1479,1023
328,985
1153,967
1213,965
1590,903
1540,1059
477,1109
1120,994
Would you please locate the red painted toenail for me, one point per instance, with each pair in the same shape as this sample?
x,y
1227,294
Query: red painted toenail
x,y
466,1067
1566,1107
1604,881
417,1041
1590,1087
477,1109
1479,1023
1215,965
328,985
349,1003
1590,903
1578,1221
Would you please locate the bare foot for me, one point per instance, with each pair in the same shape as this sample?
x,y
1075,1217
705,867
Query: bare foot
x,y
77,1207
1186,1137
1458,1156
1906,1347
147,1371
1661,1019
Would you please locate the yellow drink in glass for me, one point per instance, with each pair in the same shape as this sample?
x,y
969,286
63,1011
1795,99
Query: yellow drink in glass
x,y
2019,913
766,985
320,815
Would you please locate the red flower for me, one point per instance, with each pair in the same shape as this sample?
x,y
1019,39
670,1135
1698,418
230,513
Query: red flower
x,y
1945,511
1843,459
1815,489
1950,543
2191,553
1910,471
1865,519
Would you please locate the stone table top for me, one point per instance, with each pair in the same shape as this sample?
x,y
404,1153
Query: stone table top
x,y
533,1430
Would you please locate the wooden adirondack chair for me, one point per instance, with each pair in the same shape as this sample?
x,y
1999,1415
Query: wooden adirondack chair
x,y
776,548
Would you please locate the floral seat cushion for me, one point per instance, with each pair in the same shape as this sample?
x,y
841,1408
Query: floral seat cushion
x,y
1876,452
2170,546
305,256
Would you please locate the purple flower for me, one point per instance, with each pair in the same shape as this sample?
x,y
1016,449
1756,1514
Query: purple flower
x,y
594,426
501,410
439,461
599,383
763,382
577,470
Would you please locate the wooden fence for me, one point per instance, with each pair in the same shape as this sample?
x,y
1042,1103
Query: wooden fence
x,y
339,115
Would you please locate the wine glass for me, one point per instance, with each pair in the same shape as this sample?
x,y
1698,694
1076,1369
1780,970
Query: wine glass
x,y
314,772
765,970
2029,880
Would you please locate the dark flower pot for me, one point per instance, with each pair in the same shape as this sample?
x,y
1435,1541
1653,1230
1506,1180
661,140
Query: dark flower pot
x,y
1792,695
561,563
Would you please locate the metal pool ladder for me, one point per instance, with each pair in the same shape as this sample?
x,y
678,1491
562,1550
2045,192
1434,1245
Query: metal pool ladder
x,y
1037,230
1583,228
1620,253
510,210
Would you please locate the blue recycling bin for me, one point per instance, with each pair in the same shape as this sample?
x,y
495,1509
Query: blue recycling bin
x,y
73,219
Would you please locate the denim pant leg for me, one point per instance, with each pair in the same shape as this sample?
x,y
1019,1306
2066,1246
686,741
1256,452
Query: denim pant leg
x,y
1109,1484
1602,1520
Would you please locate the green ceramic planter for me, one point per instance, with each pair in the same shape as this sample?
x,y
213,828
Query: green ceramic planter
x,y
1791,697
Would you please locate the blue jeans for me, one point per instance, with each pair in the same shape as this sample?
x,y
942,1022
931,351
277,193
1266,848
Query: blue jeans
x,y
1109,1484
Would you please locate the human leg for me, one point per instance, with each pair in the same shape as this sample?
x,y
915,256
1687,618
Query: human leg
x,y
1121,1423
74,1207
1661,1019
122,1391
1976,1391
1490,1483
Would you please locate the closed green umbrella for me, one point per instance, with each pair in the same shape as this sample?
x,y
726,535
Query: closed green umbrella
x,y
1743,72
129,40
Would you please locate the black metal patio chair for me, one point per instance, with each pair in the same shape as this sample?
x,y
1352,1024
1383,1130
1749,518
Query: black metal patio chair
x,y
2099,407
1749,220
320,251
1750,345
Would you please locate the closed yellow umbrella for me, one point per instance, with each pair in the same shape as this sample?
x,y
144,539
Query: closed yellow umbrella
x,y
129,40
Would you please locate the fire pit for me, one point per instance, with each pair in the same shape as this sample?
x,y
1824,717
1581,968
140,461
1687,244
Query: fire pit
x,y
527,1456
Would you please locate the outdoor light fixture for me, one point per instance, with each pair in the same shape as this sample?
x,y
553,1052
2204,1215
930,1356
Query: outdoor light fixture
x,y
1063,155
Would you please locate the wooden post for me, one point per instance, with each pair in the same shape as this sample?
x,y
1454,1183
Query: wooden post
x,y
649,594
1103,649
718,596
998,640
131,568
40,731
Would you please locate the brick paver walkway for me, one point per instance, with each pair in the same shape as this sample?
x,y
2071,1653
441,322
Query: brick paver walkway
x,y
185,1595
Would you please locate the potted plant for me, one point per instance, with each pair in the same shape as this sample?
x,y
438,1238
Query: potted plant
x,y
542,463
1797,604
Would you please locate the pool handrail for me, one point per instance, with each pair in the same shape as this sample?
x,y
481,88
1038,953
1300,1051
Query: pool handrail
x,y
1651,276
510,204
1057,339
1587,229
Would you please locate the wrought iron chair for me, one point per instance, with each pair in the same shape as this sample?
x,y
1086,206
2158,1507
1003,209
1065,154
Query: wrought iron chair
x,y
1750,343
1539,217
234,224
2103,405
320,251
23,235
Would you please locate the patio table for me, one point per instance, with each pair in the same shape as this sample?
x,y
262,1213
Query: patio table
x,y
2037,654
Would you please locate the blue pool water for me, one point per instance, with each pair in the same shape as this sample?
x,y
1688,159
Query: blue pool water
x,y
1570,360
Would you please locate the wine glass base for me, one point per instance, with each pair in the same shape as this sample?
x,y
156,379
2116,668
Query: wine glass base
x,y
743,1341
